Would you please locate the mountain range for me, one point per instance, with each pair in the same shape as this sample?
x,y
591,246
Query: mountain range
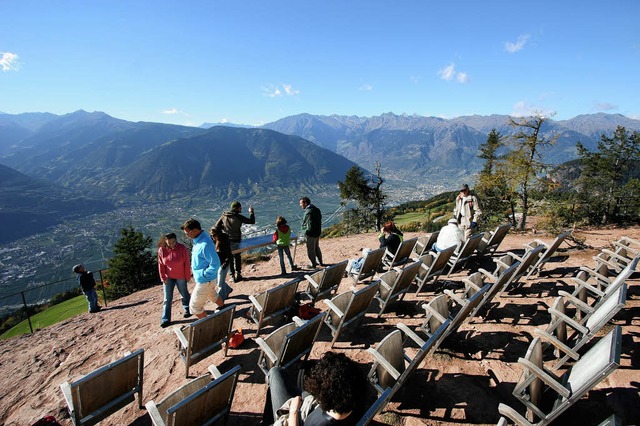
x,y
48,159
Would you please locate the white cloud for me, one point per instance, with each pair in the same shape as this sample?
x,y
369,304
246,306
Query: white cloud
x,y
173,111
449,73
518,45
365,88
275,91
525,109
9,61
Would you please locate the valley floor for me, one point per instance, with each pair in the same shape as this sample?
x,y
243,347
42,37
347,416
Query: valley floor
x,y
462,383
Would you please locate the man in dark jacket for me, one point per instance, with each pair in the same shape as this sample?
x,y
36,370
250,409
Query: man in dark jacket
x,y
88,286
230,222
312,227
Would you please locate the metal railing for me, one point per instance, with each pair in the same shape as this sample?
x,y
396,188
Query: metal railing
x,y
27,300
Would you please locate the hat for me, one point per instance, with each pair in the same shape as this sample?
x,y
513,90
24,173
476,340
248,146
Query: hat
x,y
453,221
235,205
76,268
464,187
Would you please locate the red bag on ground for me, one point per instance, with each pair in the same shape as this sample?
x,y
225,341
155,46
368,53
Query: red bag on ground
x,y
307,311
236,339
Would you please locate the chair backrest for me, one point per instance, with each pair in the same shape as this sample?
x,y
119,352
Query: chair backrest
x,y
105,390
405,278
402,254
328,278
549,252
274,302
465,312
494,240
424,243
158,411
207,335
494,289
607,310
433,266
439,305
360,302
391,350
298,343
529,259
208,406
370,264
622,276
465,252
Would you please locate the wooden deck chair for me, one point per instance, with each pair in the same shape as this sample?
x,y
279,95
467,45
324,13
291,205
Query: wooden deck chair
x,y
612,420
347,310
375,408
392,367
204,337
424,244
323,283
370,264
433,265
462,256
395,283
491,240
537,383
273,303
438,311
289,343
600,276
402,254
548,252
586,297
202,401
101,393
476,281
525,266
625,250
568,334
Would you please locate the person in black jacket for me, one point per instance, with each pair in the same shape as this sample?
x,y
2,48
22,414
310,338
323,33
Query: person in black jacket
x,y
223,248
230,222
88,286
312,228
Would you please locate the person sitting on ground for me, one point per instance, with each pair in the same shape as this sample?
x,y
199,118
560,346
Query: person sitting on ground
x,y
390,237
333,390
450,235
282,238
223,248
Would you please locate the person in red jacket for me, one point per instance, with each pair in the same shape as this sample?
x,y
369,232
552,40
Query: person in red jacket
x,y
174,265
282,238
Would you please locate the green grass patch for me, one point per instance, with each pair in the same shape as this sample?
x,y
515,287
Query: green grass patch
x,y
410,217
55,314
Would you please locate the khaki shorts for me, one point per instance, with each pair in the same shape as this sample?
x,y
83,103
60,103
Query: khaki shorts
x,y
202,293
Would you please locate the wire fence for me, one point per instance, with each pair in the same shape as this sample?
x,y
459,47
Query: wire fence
x,y
23,305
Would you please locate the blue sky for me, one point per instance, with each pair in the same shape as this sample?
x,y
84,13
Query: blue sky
x,y
253,62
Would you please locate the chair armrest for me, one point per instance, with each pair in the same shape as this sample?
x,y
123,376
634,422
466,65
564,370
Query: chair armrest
x,y
266,349
460,301
433,312
382,361
513,415
333,307
515,256
311,281
570,321
543,335
595,274
66,391
156,418
470,284
255,303
626,247
545,377
411,334
184,342
575,301
214,371
299,321
488,275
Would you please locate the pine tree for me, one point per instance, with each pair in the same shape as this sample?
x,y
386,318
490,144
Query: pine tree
x,y
133,265
368,196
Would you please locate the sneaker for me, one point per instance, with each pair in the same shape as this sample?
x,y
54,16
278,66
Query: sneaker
x,y
238,278
188,314
294,268
311,266
165,324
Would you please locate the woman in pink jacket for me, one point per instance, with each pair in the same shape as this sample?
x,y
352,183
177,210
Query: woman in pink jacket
x,y
174,265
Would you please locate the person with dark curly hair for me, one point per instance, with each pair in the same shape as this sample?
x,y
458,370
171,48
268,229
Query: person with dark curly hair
x,y
333,390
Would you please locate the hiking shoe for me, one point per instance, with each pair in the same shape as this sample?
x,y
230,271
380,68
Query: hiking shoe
x,y
238,278
188,314
165,324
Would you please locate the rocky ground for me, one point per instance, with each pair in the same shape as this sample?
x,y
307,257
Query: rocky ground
x,y
462,383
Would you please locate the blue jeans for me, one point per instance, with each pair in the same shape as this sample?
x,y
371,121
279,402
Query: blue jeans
x,y
225,289
282,250
92,299
168,296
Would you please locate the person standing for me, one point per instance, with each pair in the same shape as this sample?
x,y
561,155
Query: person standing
x,y
88,286
204,268
467,211
231,222
282,238
223,248
312,227
175,270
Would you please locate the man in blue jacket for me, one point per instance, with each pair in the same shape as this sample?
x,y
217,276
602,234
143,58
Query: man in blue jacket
x,y
204,268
